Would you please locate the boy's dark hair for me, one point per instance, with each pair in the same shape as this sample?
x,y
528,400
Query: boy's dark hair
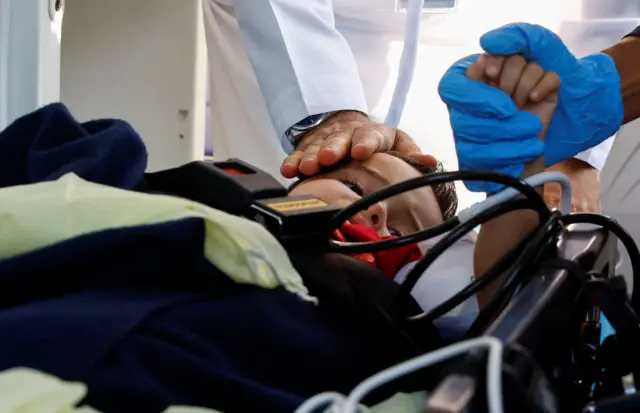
x,y
445,194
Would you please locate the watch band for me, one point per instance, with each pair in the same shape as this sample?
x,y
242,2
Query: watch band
x,y
294,133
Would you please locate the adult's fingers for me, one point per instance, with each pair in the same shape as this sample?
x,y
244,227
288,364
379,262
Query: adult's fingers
x,y
334,148
291,164
536,43
367,141
309,164
405,145
474,98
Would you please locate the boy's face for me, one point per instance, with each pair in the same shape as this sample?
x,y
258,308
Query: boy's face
x,y
405,213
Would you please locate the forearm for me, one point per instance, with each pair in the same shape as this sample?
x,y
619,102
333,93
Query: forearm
x,y
626,54
500,235
304,66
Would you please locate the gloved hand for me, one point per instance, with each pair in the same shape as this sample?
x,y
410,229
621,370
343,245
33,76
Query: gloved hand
x,y
490,132
589,111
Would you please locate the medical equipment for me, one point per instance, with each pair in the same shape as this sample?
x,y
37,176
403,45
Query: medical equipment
x,y
546,314
550,327
552,344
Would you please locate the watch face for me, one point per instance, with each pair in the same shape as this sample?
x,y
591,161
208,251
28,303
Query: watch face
x,y
309,121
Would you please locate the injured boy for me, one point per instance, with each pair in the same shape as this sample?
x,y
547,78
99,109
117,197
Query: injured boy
x,y
346,182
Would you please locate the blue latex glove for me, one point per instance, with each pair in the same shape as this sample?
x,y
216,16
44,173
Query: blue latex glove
x,y
590,103
589,110
490,133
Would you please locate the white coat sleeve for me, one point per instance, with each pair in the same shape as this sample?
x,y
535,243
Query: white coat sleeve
x,y
597,155
304,66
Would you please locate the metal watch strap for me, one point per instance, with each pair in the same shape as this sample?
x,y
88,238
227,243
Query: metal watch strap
x,y
294,133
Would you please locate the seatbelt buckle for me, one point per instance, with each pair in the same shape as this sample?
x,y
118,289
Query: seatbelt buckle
x,y
295,218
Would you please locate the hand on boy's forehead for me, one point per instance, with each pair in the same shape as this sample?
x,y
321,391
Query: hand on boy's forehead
x,y
406,213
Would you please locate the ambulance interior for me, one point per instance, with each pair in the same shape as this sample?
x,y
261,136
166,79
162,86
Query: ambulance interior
x,y
145,61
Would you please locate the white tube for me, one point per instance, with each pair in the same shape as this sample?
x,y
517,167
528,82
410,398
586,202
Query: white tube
x,y
407,65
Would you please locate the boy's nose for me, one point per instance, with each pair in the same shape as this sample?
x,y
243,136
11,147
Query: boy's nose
x,y
376,217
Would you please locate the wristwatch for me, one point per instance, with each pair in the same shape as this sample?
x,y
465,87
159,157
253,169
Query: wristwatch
x,y
293,134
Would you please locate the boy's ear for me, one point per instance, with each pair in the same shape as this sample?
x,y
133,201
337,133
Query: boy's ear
x,y
426,160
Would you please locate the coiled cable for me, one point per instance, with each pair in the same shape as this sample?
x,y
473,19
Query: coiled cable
x,y
427,180
505,262
461,230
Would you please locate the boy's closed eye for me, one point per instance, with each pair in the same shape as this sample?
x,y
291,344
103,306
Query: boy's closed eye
x,y
406,213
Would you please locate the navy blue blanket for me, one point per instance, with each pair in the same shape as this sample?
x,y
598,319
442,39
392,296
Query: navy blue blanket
x,y
48,143
140,316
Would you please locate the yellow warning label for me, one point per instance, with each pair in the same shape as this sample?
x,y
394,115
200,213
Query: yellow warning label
x,y
297,204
